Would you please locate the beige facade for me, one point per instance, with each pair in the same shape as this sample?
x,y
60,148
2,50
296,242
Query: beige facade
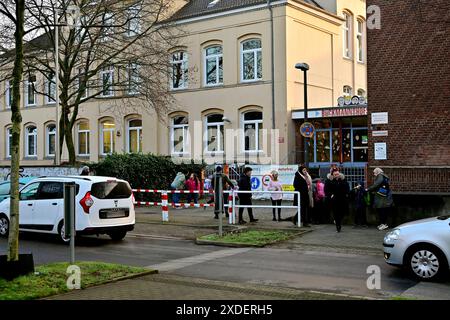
x,y
302,33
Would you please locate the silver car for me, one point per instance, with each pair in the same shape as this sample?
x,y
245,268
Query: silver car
x,y
422,246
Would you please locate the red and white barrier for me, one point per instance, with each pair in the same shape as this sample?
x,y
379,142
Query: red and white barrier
x,y
165,208
171,191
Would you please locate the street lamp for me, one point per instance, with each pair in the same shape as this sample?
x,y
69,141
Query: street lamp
x,y
305,67
73,13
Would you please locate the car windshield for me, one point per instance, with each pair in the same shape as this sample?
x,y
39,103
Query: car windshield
x,y
4,188
444,217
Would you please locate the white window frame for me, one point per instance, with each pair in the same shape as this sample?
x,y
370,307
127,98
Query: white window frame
x,y
257,123
133,24
49,133
216,57
107,70
26,88
184,68
8,142
347,87
139,134
133,78
347,35
87,138
360,41
255,58
186,137
8,96
102,137
27,143
107,29
220,139
49,85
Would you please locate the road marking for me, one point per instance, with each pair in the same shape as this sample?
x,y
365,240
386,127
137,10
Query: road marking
x,y
156,237
189,261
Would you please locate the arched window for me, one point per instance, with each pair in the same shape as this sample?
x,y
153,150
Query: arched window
x,y
348,91
179,64
83,134
30,91
362,93
107,137
214,133
253,129
179,135
347,35
251,60
213,66
50,89
50,140
31,141
360,39
134,136
8,142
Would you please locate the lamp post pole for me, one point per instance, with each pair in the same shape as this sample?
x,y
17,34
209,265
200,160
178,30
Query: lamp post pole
x,y
305,67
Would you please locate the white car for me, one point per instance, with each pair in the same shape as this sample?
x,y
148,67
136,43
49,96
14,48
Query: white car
x,y
103,205
422,246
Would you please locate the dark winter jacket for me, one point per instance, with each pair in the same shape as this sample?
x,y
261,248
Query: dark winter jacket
x,y
338,190
359,194
300,185
244,185
225,181
380,201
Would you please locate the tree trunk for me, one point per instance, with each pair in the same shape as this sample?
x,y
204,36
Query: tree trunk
x,y
16,118
69,138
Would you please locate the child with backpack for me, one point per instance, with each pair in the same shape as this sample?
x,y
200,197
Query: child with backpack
x,y
360,205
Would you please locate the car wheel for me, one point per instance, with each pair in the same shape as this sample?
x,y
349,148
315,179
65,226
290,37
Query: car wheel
x,y
117,235
426,262
62,233
4,226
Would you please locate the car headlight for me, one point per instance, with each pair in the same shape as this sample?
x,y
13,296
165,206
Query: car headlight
x,y
392,236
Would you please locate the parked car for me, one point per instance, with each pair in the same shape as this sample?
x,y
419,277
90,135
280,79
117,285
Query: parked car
x,y
5,187
423,247
103,206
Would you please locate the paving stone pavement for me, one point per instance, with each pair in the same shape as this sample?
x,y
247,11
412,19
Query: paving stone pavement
x,y
174,287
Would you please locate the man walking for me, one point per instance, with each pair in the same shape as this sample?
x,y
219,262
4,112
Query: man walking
x,y
225,181
246,198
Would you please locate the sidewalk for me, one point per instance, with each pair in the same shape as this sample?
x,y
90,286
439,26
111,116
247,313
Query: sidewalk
x,y
173,287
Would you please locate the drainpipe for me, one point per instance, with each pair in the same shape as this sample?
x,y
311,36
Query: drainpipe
x,y
273,61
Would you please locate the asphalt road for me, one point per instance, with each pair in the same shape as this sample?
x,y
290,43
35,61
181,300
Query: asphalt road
x,y
332,272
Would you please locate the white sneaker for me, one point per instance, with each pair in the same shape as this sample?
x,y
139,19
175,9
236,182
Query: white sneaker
x,y
384,227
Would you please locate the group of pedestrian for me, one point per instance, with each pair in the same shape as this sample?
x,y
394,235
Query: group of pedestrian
x,y
192,184
317,198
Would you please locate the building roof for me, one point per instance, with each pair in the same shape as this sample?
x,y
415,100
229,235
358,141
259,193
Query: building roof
x,y
196,8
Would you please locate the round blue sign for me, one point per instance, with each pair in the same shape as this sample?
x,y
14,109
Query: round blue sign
x,y
255,183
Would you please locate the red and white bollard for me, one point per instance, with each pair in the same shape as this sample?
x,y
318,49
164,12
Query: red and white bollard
x,y
230,208
165,207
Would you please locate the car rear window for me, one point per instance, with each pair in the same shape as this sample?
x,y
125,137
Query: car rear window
x,y
111,190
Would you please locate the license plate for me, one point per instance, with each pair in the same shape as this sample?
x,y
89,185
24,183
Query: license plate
x,y
114,213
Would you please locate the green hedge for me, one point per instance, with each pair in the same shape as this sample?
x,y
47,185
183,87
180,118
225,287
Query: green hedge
x,y
146,171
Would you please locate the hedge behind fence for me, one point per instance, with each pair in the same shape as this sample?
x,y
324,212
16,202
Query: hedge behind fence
x,y
146,171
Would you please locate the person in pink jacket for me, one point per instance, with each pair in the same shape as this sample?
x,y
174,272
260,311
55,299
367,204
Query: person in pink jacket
x,y
275,185
193,184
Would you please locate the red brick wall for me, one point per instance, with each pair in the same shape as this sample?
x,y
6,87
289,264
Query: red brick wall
x,y
409,77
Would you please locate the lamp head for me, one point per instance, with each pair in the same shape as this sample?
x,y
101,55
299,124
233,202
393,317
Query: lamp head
x,y
225,119
302,66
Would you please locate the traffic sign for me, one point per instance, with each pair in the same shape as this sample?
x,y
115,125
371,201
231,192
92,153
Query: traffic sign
x,y
307,130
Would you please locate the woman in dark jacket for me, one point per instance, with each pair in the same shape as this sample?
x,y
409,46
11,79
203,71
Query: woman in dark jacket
x,y
301,185
245,198
383,200
338,190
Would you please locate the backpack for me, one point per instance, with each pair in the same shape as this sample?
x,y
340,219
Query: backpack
x,y
320,191
384,188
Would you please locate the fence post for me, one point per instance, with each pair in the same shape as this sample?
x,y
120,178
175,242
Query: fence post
x,y
165,207
234,204
299,224
230,207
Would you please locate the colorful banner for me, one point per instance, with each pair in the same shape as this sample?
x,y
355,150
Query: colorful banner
x,y
261,176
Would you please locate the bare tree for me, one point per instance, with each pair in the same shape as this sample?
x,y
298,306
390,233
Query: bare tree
x,y
12,13
117,51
